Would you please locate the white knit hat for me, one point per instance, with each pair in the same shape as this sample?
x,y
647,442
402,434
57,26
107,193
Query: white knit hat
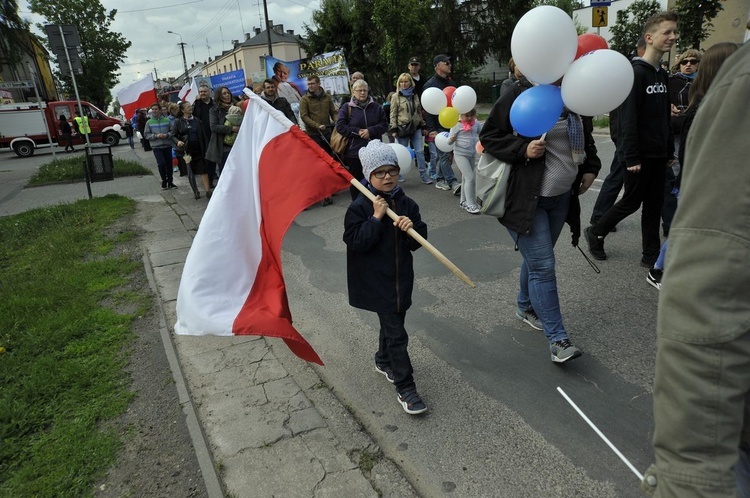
x,y
375,155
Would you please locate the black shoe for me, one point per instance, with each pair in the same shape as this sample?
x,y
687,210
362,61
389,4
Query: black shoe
x,y
171,186
326,202
411,402
197,194
596,244
164,185
654,277
385,370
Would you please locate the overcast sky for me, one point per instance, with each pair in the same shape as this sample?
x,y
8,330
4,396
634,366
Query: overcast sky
x,y
200,22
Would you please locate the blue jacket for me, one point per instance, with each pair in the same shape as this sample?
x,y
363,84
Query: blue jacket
x,y
353,118
379,265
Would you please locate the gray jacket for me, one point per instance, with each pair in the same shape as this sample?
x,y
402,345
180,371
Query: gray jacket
x,y
217,117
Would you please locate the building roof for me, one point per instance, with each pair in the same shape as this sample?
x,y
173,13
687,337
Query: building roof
x,y
276,37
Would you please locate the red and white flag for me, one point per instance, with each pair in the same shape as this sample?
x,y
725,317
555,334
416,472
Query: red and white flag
x,y
137,96
233,283
188,92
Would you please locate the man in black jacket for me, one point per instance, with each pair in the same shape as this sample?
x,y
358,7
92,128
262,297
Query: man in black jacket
x,y
201,108
645,143
279,103
440,162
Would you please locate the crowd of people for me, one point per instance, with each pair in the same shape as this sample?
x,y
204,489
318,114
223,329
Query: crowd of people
x,y
662,134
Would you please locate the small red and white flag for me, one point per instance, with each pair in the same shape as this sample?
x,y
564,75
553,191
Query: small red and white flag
x,y
188,92
233,283
137,96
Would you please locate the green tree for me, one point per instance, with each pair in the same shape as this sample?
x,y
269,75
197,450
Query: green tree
x,y
12,28
695,21
629,25
102,50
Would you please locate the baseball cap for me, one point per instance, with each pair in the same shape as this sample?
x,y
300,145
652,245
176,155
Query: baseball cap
x,y
414,60
440,58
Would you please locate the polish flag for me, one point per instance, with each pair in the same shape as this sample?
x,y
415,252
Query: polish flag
x,y
188,92
137,96
232,283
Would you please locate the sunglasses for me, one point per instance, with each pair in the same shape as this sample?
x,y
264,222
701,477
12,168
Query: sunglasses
x,y
685,62
380,174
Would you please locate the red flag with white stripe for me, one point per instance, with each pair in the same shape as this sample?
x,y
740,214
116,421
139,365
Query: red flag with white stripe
x,y
233,283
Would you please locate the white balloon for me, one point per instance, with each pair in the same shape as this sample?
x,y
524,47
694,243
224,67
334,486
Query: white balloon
x,y
433,100
597,83
442,143
404,158
117,127
544,44
464,99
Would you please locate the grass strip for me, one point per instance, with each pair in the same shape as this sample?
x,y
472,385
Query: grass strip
x,y
62,346
70,169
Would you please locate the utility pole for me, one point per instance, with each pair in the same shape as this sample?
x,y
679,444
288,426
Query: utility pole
x,y
182,47
156,76
268,28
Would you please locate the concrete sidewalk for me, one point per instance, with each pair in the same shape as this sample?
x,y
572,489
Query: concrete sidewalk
x,y
262,422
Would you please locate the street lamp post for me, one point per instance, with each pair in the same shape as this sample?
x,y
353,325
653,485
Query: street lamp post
x,y
182,46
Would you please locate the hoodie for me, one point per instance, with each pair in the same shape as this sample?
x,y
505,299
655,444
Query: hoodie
x,y
644,130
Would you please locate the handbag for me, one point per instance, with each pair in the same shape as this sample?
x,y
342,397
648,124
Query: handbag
x,y
406,131
492,184
339,142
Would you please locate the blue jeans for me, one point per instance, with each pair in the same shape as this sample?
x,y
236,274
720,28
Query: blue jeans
x,y
538,280
417,144
392,349
440,163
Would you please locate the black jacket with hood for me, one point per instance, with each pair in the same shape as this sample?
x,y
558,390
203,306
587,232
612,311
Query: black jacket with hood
x,y
525,181
643,128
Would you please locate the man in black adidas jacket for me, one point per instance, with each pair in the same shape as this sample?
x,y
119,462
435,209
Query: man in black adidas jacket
x,y
645,144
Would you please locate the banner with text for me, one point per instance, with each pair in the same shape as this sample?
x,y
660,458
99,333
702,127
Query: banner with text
x,y
330,67
234,80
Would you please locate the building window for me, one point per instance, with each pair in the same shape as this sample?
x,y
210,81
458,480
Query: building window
x,y
230,66
225,68
239,64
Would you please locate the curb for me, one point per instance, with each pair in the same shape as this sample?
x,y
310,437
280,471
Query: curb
x,y
202,451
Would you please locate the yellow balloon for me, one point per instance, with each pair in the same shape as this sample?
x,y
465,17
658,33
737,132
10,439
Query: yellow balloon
x,y
448,117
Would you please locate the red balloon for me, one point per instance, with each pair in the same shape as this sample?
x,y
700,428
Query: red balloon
x,y
589,42
448,91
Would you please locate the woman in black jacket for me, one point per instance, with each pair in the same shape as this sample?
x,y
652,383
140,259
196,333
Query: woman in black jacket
x,y
546,178
187,135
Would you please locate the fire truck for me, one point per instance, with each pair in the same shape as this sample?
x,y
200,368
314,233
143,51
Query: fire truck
x,y
24,125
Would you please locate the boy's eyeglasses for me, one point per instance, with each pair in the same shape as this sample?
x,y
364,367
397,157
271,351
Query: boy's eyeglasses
x,y
380,174
689,61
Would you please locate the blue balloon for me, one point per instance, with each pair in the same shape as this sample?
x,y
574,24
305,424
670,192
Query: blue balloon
x,y
536,110
411,151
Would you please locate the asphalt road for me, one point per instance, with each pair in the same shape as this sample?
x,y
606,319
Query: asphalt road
x,y
496,425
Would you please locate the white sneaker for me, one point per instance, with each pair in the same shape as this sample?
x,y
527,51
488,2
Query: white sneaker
x,y
472,208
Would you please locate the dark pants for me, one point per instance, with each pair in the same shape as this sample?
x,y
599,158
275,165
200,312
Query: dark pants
x,y
318,139
392,349
610,190
647,188
163,157
354,165
68,141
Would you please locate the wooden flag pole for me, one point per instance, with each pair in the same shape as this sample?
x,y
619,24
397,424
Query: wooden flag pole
x,y
430,248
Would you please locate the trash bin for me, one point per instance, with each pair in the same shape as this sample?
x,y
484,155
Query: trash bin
x,y
99,162
495,92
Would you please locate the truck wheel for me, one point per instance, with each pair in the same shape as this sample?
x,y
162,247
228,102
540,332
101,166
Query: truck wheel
x,y
24,149
111,138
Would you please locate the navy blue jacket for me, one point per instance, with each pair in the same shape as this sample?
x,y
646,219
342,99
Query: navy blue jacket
x,y
379,265
353,118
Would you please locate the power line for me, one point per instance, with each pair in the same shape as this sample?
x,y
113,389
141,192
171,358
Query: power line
x,y
156,8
